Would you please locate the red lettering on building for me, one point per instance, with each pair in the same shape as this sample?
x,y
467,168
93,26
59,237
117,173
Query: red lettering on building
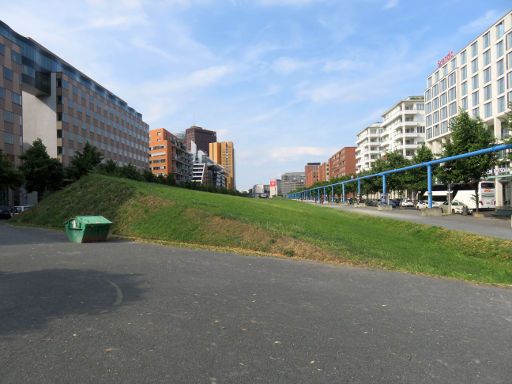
x,y
445,59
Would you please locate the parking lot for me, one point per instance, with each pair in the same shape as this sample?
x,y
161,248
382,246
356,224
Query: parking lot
x,y
486,226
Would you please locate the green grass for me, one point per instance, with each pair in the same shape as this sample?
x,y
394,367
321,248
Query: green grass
x,y
280,227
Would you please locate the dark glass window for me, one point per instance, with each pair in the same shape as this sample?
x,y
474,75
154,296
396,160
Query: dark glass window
x,y
59,116
16,57
8,117
7,74
2,93
16,98
59,133
2,49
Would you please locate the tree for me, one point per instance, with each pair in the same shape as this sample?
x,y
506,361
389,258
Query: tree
x,y
9,176
468,135
417,178
84,162
507,124
41,173
396,181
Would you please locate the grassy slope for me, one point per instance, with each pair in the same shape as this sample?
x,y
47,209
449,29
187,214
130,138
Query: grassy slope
x,y
277,226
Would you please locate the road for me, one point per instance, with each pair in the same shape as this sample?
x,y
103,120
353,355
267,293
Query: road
x,y
124,312
486,226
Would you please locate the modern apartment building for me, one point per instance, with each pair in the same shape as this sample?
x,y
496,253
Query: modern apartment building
x,y
403,127
368,148
206,171
42,96
478,79
202,137
168,156
323,171
342,163
292,181
311,171
223,153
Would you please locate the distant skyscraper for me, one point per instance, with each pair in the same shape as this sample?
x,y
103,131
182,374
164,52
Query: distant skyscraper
x,y
202,137
223,153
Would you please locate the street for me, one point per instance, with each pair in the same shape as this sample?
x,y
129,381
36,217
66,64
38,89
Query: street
x,y
125,312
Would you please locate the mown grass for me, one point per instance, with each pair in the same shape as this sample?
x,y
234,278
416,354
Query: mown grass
x,y
279,227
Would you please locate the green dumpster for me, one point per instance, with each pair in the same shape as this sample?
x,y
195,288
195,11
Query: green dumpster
x,y
87,229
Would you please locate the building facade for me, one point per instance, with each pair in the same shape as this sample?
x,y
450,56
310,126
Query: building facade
x,y
477,79
51,100
403,127
168,156
206,171
311,171
223,153
342,163
202,137
291,181
368,148
323,171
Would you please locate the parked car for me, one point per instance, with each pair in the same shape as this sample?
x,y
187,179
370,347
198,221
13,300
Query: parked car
x,y
5,212
17,209
372,203
457,207
421,204
407,203
395,203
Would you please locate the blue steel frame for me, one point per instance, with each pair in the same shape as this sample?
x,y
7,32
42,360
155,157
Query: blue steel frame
x,y
428,164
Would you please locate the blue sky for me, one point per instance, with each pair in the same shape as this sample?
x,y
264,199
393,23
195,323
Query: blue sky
x,y
288,81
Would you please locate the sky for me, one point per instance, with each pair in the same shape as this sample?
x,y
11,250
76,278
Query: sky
x,y
288,81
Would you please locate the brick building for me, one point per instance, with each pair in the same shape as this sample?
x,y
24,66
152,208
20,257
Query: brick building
x,y
311,174
343,163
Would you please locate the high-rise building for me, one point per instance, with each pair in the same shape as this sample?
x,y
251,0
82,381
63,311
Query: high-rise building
x,y
342,163
291,181
311,173
168,156
202,137
368,147
42,96
223,153
403,127
478,79
206,171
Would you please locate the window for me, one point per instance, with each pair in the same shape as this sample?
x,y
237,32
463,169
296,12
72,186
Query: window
x,y
474,98
15,57
8,117
474,49
499,49
8,138
501,85
445,70
487,57
453,64
509,40
476,112
509,60
436,117
428,108
2,49
436,76
487,110
464,103
500,67
443,99
451,79
453,109
474,65
464,88
501,104
452,94
429,82
509,81
427,95
2,93
487,92
487,40
487,75
443,85
500,30
444,127
463,58
434,90
474,82
7,74
444,113
463,73
16,98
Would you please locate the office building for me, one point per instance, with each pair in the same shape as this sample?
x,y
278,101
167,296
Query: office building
x,y
342,163
291,181
223,153
403,127
311,171
368,148
478,79
202,137
205,171
42,96
168,156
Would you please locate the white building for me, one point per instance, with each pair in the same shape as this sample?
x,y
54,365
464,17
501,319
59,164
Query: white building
x,y
403,127
368,147
478,79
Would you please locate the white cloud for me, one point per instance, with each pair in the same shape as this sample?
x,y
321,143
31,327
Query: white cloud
x,y
391,4
480,24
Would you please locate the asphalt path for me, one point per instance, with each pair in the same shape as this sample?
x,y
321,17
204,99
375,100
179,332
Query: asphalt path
x,y
485,226
124,312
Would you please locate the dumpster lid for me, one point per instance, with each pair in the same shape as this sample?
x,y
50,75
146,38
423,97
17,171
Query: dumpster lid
x,y
92,220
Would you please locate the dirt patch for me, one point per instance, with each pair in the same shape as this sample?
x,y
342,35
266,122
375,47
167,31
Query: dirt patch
x,y
251,237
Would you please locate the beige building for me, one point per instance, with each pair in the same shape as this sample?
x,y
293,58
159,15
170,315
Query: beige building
x,y
223,153
478,79
368,148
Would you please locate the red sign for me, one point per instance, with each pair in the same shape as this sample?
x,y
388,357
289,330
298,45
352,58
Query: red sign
x,y
272,183
445,59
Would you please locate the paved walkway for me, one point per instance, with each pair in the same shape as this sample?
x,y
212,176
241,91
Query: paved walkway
x,y
123,312
486,226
